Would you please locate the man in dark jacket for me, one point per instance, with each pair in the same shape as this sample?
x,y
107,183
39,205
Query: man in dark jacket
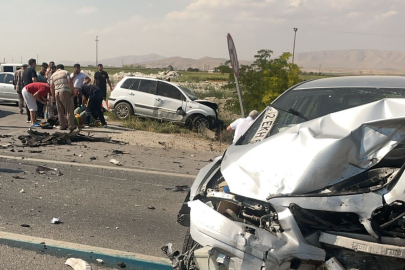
x,y
92,96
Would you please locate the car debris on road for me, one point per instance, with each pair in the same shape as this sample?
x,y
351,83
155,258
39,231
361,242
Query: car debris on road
x,y
78,264
48,171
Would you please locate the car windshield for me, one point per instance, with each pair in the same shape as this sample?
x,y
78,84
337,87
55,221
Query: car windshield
x,y
298,106
189,93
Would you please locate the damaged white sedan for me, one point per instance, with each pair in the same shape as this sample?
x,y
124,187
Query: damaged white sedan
x,y
317,181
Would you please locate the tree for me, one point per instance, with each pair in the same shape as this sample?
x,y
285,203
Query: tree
x,y
171,68
223,68
263,81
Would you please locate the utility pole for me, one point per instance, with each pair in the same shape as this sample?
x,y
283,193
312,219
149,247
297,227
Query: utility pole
x,y
319,69
97,50
295,35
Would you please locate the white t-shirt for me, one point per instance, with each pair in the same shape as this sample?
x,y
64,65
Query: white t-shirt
x,y
240,126
78,80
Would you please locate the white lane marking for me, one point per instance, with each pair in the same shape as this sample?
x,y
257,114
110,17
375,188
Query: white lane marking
x,y
117,168
81,248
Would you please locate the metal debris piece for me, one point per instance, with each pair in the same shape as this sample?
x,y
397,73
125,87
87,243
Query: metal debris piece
x,y
36,138
122,264
100,261
25,225
179,188
55,221
48,171
5,146
35,151
118,152
333,264
78,264
22,191
115,162
93,158
17,177
151,207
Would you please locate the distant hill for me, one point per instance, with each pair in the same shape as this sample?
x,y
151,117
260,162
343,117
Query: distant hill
x,y
205,63
353,60
118,61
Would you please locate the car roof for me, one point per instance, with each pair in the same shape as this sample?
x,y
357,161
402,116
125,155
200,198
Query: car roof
x,y
355,81
142,78
12,73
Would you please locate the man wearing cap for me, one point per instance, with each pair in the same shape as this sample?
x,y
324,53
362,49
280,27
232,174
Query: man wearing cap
x,y
19,85
32,93
92,96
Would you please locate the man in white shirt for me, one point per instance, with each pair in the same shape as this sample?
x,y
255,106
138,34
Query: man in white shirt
x,y
78,79
241,125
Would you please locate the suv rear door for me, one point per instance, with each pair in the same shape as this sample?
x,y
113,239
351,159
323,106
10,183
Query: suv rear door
x,y
8,90
168,100
141,94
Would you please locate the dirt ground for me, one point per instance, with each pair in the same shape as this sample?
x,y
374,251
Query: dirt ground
x,y
193,142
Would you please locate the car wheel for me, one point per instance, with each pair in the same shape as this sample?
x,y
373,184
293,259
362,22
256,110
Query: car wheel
x,y
123,110
200,123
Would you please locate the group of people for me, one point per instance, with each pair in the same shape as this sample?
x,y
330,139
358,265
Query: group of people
x,y
53,92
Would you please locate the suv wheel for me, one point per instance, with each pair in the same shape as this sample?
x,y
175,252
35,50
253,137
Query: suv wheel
x,y
123,110
200,123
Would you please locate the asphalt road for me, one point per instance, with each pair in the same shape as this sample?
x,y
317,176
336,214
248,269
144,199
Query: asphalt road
x,y
99,205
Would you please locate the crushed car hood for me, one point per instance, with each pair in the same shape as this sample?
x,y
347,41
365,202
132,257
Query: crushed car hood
x,y
311,156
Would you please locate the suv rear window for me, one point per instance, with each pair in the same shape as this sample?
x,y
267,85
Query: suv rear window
x,y
132,84
148,86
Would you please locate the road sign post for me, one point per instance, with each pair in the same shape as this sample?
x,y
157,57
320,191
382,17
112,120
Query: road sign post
x,y
235,65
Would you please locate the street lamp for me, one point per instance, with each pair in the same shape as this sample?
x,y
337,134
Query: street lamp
x,y
96,50
295,35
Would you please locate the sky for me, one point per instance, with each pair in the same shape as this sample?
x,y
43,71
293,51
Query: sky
x,y
66,30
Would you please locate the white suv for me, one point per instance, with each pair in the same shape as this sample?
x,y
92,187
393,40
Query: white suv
x,y
162,100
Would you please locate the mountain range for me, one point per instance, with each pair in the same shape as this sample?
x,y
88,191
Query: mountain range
x,y
350,61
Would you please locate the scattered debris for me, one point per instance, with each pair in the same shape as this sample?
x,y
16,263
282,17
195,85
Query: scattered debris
x,y
333,264
36,138
5,136
93,158
48,171
118,152
122,264
115,162
55,221
178,188
22,191
80,155
25,225
18,177
100,261
78,264
35,151
151,207
5,146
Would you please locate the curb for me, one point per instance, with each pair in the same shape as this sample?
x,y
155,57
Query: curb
x,y
88,253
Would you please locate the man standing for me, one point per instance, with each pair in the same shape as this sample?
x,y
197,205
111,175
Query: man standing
x,y
30,76
19,85
78,79
101,79
41,74
32,93
92,96
241,125
62,90
41,78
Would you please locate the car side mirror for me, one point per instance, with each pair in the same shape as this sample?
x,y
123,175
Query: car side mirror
x,y
181,112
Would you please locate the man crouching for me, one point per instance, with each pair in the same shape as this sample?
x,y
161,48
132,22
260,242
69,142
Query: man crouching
x,y
92,97
32,93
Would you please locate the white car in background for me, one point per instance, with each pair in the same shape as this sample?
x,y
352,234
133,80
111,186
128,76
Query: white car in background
x,y
153,98
7,91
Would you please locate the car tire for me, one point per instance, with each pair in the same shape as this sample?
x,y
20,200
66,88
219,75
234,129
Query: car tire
x,y
123,110
200,123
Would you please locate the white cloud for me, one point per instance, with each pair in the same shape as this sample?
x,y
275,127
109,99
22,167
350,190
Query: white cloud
x,y
86,10
387,14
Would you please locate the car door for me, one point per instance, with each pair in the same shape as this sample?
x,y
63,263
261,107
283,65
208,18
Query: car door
x,y
3,86
168,100
8,87
141,94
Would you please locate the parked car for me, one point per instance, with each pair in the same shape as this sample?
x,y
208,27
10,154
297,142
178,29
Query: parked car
x,y
317,180
7,92
162,100
10,67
